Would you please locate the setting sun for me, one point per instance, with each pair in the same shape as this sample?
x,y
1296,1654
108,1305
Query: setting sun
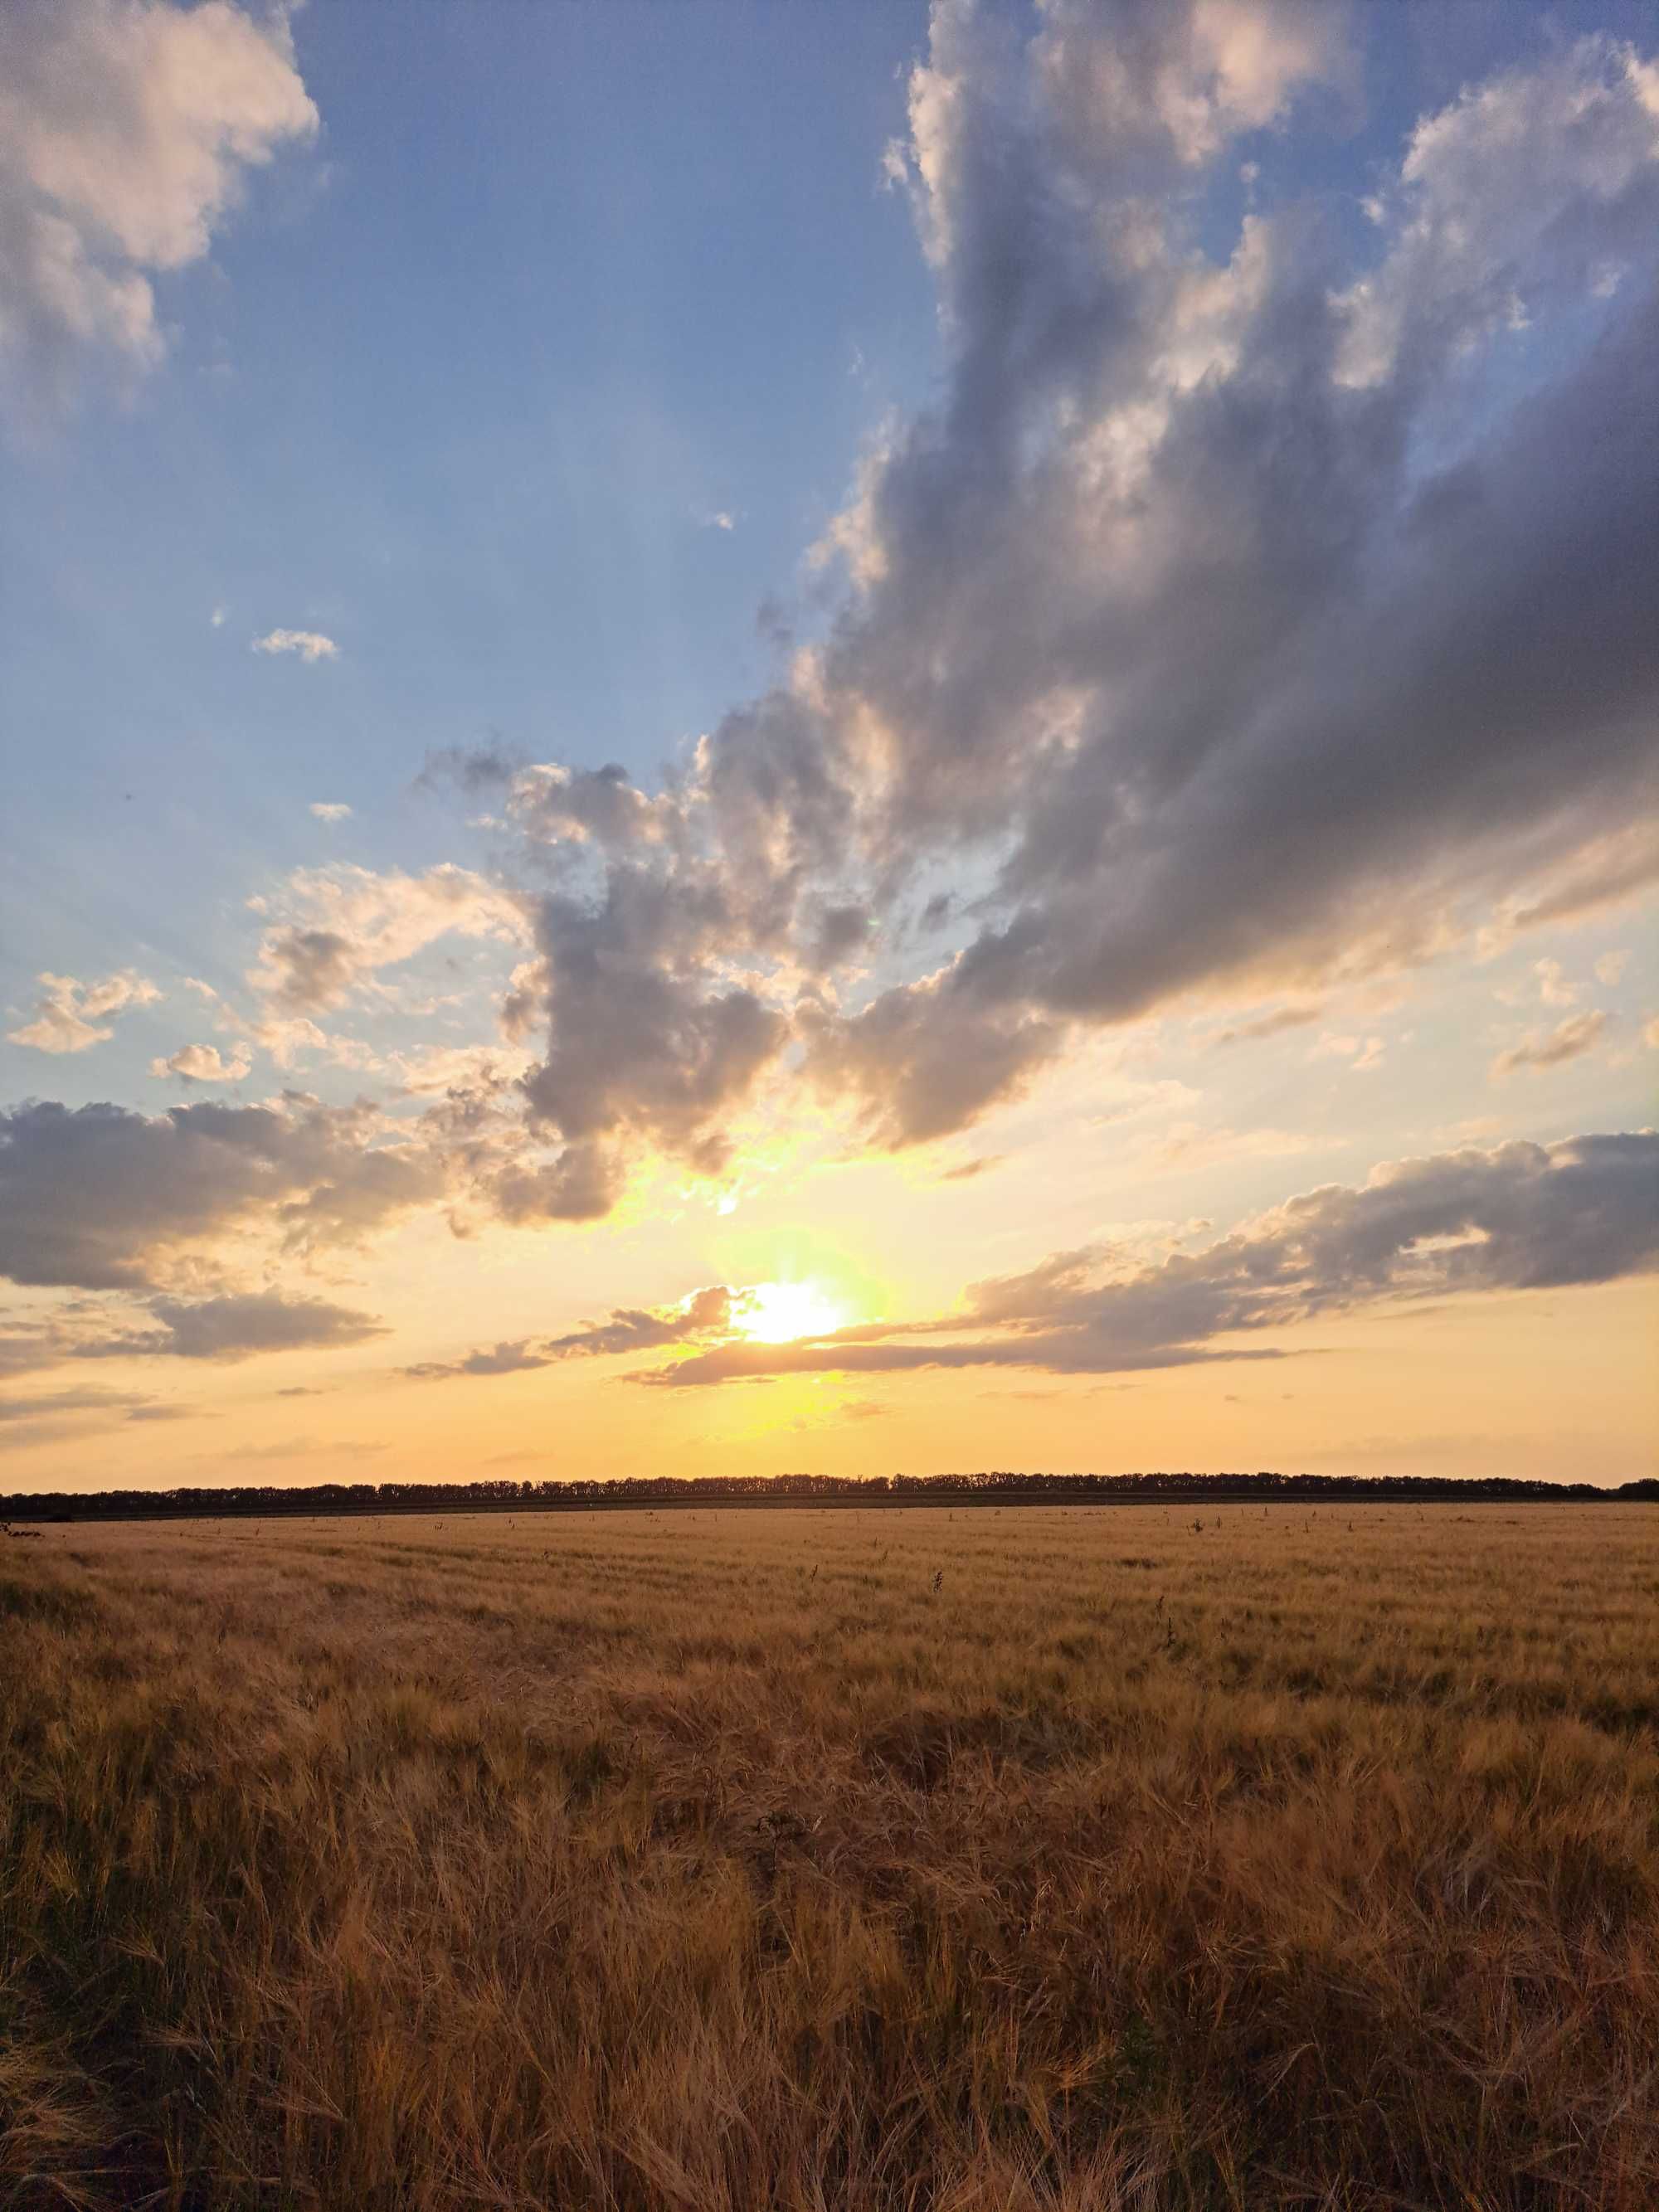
x,y
778,1313
828,1170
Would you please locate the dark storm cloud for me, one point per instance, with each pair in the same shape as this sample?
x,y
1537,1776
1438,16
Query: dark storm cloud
x,y
98,1196
1522,1217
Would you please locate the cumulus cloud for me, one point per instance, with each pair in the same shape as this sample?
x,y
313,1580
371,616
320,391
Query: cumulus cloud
x,y
1133,433
70,1016
705,1314
126,130
1224,631
1568,1040
309,644
203,1063
107,1199
1521,1217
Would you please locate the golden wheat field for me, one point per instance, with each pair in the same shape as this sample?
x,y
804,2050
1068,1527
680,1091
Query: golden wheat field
x,y
958,1859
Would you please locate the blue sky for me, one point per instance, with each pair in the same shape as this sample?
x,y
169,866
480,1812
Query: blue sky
x,y
1127,685
463,386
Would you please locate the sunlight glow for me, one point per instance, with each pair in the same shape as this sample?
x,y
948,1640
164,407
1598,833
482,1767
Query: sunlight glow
x,y
777,1313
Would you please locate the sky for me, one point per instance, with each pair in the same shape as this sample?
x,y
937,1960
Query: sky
x,y
739,738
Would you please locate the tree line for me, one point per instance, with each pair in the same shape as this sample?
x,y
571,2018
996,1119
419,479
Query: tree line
x,y
993,1486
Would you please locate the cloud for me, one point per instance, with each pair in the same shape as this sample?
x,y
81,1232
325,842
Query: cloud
x,y
1253,808
309,644
1520,1217
329,810
300,1447
201,1063
651,1039
1273,1023
503,1359
1220,632
24,1350
1554,988
1224,633
1610,968
107,1199
706,1313
69,1402
1362,1054
347,923
78,1412
68,1015
236,1327
1566,1041
302,969
126,130
1528,191
1190,1144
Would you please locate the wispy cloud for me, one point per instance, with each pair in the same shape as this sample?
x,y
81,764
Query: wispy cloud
x,y
329,810
1568,1040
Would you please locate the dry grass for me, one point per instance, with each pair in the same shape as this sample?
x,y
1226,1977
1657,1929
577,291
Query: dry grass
x,y
958,1860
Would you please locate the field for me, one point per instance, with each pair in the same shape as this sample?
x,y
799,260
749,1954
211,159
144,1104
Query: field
x,y
955,1860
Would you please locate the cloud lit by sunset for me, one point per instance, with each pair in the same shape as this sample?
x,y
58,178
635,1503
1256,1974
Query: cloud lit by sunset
x,y
944,758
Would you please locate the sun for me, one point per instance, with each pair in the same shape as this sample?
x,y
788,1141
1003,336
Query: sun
x,y
777,1313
